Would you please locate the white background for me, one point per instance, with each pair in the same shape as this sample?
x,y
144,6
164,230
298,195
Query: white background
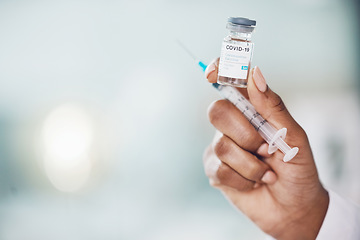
x,y
119,62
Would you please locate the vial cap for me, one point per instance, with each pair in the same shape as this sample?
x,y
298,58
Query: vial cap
x,y
242,21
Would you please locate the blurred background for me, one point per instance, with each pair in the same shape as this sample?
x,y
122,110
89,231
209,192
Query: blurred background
x,y
103,116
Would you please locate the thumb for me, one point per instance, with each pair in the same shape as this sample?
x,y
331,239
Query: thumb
x,y
272,108
268,103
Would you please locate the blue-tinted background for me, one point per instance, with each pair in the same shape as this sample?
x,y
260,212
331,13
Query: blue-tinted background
x,y
103,116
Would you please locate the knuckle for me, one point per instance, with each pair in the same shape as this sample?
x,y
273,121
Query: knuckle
x,y
300,139
302,134
223,173
277,103
246,136
256,170
227,177
216,110
221,146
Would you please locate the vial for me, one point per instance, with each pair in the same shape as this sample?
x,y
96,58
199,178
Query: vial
x,y
236,52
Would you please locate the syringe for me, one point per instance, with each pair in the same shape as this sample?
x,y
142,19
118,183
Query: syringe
x,y
275,138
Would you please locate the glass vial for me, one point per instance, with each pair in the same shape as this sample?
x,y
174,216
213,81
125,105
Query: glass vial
x,y
236,52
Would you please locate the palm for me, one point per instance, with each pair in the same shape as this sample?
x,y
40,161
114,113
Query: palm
x,y
270,206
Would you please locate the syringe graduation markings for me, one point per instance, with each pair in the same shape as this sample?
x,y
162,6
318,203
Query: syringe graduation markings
x,y
275,138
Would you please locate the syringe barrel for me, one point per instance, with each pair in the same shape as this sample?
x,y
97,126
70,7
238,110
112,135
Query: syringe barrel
x,y
260,124
272,136
266,131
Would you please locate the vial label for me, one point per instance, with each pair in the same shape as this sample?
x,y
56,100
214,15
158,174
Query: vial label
x,y
235,59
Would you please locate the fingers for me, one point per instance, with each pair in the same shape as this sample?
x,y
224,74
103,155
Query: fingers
x,y
229,120
220,174
223,170
263,151
243,162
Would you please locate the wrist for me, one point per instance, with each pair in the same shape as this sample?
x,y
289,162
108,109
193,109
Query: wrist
x,y
307,223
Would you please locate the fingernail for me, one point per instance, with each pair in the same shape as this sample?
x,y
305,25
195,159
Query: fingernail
x,y
259,80
209,70
269,177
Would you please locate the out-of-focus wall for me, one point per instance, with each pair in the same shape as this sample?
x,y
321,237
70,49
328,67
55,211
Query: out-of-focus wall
x,y
103,116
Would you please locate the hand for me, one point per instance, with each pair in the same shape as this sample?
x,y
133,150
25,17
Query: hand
x,y
286,200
